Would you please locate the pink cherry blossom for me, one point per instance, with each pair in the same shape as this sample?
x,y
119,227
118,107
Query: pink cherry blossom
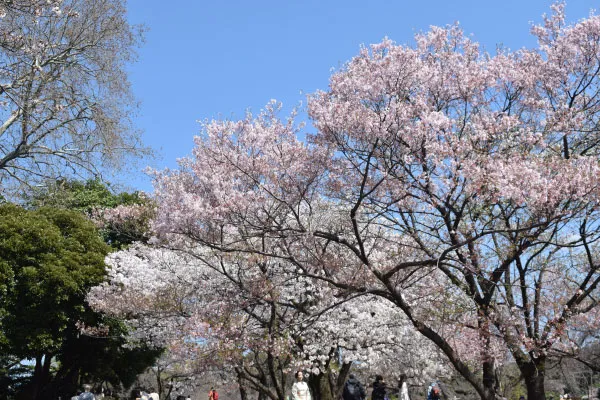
x,y
459,187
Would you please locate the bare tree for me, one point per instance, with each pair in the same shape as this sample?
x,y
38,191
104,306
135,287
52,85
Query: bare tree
x,y
65,100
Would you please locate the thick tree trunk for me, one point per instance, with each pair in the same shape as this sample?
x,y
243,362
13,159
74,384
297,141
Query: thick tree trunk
x,y
46,371
489,379
488,365
44,391
459,366
534,374
35,386
338,384
39,380
320,386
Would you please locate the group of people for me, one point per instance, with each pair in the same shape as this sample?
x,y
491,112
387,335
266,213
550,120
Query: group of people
x,y
354,390
380,389
87,394
142,395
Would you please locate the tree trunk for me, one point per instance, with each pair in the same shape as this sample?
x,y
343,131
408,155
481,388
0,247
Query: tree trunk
x,y
489,379
320,387
461,367
36,382
534,374
488,365
31,390
242,386
159,382
337,385
41,377
264,380
44,392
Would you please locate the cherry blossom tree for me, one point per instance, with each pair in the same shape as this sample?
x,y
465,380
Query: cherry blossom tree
x,y
436,172
65,101
256,323
30,7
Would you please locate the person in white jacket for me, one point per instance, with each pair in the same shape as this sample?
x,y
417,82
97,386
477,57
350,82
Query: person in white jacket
x,y
300,390
403,388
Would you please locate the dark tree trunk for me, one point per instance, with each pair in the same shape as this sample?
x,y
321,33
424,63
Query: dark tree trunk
x,y
489,379
159,382
534,373
338,384
46,374
461,367
37,389
36,382
320,386
242,386
67,380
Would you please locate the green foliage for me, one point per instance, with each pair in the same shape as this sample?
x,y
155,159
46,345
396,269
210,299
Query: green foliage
x,y
93,198
6,282
85,197
50,258
51,254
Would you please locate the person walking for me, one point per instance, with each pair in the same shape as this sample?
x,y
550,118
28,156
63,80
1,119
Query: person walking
x,y
403,388
87,393
379,389
213,394
300,390
434,392
99,393
353,389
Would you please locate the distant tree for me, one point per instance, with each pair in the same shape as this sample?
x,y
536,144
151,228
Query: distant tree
x,y
82,196
122,217
66,103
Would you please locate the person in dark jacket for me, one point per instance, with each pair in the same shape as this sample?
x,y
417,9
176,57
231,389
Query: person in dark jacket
x,y
379,389
353,389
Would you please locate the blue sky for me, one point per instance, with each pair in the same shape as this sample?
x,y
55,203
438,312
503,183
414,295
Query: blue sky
x,y
204,60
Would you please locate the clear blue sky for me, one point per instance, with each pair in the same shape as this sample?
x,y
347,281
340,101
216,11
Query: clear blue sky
x,y
215,59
